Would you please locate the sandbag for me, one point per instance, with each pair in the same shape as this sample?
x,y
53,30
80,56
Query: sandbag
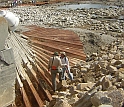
x,y
11,18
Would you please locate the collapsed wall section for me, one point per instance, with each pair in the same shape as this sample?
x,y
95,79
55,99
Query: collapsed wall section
x,y
7,68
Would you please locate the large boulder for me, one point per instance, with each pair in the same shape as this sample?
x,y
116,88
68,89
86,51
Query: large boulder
x,y
100,98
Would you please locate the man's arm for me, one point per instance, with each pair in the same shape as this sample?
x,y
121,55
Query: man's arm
x,y
49,64
67,61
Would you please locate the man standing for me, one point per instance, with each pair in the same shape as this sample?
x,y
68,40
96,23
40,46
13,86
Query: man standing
x,y
54,66
66,69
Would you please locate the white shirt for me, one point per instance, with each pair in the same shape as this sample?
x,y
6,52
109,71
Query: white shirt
x,y
64,60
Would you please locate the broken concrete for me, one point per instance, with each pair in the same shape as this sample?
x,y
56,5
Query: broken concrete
x,y
7,68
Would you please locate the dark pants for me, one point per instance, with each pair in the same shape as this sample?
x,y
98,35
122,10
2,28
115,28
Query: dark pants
x,y
53,75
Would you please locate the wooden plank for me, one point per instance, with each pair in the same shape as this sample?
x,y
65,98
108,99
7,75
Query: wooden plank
x,y
46,91
61,48
36,95
25,97
44,77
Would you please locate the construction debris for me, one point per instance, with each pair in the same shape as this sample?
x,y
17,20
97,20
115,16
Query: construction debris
x,y
7,68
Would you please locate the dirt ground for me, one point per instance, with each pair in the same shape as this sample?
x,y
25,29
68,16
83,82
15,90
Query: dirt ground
x,y
93,41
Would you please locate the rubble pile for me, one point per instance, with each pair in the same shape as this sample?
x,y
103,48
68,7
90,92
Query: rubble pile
x,y
105,19
97,82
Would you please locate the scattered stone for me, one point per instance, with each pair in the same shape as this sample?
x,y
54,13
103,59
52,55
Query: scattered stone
x,y
104,105
100,98
62,85
81,86
62,103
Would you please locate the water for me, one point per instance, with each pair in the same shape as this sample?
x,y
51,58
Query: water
x,y
86,6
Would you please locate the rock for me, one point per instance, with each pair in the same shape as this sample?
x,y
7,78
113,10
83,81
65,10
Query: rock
x,y
110,56
117,57
62,85
62,93
81,86
72,100
88,78
112,69
94,54
106,83
105,57
54,96
52,103
118,84
117,62
112,61
104,70
122,82
105,105
75,71
72,89
78,66
8,72
100,98
62,103
117,97
103,63
97,67
74,92
83,70
85,101
76,81
120,74
112,88
80,94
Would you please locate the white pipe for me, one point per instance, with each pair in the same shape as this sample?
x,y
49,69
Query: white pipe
x,y
11,18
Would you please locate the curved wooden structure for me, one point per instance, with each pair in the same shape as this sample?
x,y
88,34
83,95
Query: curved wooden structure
x,y
51,39
33,84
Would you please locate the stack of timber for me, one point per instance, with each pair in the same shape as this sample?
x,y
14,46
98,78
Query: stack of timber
x,y
32,50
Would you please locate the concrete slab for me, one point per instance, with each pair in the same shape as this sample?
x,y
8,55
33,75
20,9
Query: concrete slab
x,y
3,32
